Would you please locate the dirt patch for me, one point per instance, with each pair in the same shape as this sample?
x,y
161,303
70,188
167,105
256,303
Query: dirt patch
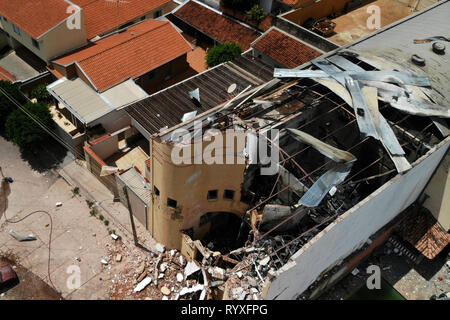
x,y
30,286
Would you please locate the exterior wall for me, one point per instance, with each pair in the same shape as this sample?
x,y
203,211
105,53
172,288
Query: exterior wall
x,y
138,207
162,74
311,9
351,230
189,184
438,192
55,42
113,121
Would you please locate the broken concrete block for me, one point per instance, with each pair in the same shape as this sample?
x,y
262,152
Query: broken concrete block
x,y
161,275
180,277
58,204
239,274
163,267
160,248
104,261
165,291
191,268
144,283
114,236
264,261
195,288
165,298
181,261
118,257
141,268
217,273
21,237
172,252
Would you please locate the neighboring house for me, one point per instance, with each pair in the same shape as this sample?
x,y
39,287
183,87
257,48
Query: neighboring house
x,y
281,49
97,80
45,27
150,52
210,26
105,16
6,76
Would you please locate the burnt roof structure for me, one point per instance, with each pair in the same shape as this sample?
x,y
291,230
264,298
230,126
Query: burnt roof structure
x,y
359,137
167,107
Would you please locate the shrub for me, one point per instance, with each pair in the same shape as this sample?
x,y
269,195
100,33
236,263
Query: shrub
x,y
6,106
41,94
256,13
101,217
106,222
222,53
25,132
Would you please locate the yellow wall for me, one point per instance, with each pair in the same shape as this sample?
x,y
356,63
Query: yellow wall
x,y
55,42
189,186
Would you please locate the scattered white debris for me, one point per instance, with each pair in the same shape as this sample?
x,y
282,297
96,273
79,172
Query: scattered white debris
x,y
21,237
172,252
264,261
58,204
217,273
191,268
104,261
114,236
119,257
181,261
195,288
165,298
203,295
239,274
180,277
160,247
141,286
163,267
161,275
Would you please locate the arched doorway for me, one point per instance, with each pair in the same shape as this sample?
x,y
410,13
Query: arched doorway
x,y
227,231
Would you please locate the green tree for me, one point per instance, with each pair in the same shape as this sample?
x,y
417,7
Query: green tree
x,y
6,106
25,132
256,13
41,94
222,53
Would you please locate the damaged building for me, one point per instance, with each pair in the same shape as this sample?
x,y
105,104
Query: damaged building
x,y
358,134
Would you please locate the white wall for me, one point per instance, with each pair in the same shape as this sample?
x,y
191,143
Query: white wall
x,y
354,227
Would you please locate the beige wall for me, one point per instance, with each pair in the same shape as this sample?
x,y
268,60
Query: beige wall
x,y
55,42
189,184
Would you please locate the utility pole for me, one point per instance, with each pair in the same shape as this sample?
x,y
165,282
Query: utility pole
x,y
133,226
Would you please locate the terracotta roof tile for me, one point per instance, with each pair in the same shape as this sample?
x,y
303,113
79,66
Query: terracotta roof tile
x,y
138,50
101,16
215,25
35,17
6,76
284,49
424,233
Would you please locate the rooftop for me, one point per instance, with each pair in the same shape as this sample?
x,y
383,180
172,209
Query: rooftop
x,y
101,16
35,17
286,50
128,54
6,76
167,107
215,25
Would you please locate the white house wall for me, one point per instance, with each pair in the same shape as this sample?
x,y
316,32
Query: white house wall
x,y
354,227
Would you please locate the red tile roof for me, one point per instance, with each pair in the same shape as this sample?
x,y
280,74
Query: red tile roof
x,y
284,49
101,16
423,232
290,2
215,25
35,17
138,50
6,76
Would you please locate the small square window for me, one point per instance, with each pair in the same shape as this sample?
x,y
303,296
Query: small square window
x,y
171,203
213,194
16,29
35,43
228,194
156,191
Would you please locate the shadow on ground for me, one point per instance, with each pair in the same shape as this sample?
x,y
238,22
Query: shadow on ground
x,y
45,157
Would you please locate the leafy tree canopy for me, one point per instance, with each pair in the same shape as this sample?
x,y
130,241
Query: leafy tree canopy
x,y
6,106
222,53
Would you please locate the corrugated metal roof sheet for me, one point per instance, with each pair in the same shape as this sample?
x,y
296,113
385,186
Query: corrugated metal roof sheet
x,y
137,183
167,107
396,45
80,99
